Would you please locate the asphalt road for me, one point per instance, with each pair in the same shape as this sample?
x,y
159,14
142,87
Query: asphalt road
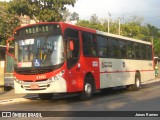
x,y
146,99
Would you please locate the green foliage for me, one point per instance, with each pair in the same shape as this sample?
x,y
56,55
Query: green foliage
x,y
157,47
153,31
8,22
68,16
39,10
94,19
74,16
84,23
42,10
132,27
88,24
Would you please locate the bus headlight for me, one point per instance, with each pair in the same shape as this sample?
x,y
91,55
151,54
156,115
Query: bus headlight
x,y
61,73
50,80
19,81
57,77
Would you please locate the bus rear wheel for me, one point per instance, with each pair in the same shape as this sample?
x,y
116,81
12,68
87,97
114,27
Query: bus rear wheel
x,y
88,89
137,84
47,96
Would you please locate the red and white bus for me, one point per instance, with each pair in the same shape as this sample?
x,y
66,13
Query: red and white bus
x,y
56,57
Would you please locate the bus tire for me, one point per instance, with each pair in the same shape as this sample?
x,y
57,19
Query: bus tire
x,y
137,84
8,88
88,89
46,96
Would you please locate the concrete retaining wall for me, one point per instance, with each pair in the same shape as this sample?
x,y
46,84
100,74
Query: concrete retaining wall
x,y
2,76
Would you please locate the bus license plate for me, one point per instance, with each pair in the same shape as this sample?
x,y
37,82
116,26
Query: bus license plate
x,y
34,86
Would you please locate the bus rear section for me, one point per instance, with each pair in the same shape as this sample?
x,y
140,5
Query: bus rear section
x,y
124,61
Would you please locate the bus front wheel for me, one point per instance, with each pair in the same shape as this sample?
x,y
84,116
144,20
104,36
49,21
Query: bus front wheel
x,y
88,89
47,96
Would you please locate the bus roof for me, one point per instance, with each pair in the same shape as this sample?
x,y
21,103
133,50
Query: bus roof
x,y
108,34
122,37
89,30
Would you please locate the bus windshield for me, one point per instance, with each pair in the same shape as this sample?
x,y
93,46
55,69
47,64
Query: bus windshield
x,y
39,50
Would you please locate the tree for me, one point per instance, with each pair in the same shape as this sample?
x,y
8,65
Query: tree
x,y
84,23
94,19
8,22
43,10
153,31
66,15
132,27
88,24
156,43
74,16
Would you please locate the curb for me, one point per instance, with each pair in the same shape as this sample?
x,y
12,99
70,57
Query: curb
x,y
152,81
15,100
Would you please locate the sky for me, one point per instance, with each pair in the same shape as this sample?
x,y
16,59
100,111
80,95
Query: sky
x,y
149,9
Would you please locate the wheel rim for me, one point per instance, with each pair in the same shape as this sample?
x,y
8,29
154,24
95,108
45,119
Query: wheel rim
x,y
137,82
88,88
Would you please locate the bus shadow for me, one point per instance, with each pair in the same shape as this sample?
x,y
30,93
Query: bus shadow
x,y
59,99
72,98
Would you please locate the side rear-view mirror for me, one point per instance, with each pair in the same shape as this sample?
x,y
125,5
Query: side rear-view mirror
x,y
71,45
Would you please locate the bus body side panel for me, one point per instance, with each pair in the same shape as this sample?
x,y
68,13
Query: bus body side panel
x,y
119,72
147,71
91,66
114,72
85,65
77,74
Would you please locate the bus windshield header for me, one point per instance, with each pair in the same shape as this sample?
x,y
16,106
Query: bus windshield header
x,y
37,30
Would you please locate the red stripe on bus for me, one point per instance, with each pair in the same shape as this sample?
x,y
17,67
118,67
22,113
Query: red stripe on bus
x,y
126,71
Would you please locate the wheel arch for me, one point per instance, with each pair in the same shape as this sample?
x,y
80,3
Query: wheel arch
x,y
88,87
135,86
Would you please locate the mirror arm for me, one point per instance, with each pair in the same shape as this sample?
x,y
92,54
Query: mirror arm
x,y
7,47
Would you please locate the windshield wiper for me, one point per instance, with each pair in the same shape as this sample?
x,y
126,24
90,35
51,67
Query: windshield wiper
x,y
44,40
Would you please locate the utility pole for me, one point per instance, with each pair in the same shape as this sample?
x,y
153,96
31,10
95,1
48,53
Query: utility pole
x,y
119,28
152,41
108,20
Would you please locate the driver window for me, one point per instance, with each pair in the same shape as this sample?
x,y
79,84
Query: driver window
x,y
72,55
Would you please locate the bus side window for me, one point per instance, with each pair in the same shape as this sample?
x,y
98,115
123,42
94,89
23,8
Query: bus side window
x,y
137,51
143,50
102,46
149,52
113,48
89,44
123,49
130,50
